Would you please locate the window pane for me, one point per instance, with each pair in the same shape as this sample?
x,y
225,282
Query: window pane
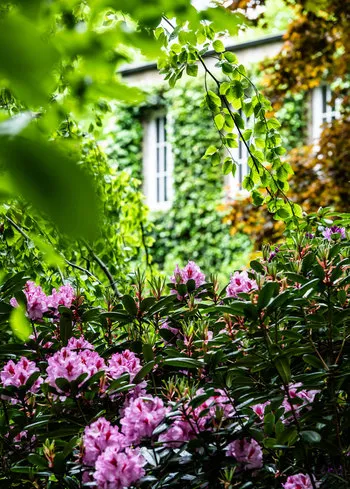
x,y
158,190
157,126
158,159
165,189
165,158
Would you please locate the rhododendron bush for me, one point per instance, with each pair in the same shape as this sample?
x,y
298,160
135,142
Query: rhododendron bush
x,y
190,384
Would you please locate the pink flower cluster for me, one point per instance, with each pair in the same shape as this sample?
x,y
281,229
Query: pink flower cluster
x,y
106,449
240,282
259,409
70,364
17,374
305,397
194,420
118,470
298,481
141,418
121,363
97,437
190,272
38,303
247,453
328,233
79,344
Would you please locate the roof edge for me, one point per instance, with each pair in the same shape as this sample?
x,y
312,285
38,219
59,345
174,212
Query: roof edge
x,y
261,41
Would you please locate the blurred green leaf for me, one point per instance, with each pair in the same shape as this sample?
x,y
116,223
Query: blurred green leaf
x,y
19,323
49,178
26,60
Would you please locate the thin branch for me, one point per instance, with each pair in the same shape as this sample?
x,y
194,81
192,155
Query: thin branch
x,y
71,264
105,270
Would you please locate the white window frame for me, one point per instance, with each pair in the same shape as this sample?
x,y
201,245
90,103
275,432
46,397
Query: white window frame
x,y
321,111
233,184
158,163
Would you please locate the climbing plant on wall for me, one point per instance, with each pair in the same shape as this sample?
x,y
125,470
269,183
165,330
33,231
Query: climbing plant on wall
x,y
320,32
193,227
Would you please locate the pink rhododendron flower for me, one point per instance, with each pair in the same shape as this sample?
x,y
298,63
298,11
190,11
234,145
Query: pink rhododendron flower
x,y
64,297
118,470
99,436
165,325
305,397
259,409
240,282
179,433
190,272
141,418
92,361
22,436
298,481
328,233
192,421
17,374
217,403
69,364
249,453
36,301
121,363
79,344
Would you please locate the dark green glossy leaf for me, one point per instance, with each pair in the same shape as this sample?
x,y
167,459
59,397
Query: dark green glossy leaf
x,y
129,304
146,369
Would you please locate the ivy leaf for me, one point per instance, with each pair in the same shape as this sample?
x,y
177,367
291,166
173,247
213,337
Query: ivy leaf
x,y
231,58
238,120
210,151
237,89
213,99
227,166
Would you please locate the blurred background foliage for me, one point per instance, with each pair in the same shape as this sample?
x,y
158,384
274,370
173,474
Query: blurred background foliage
x,y
65,118
67,208
192,227
315,51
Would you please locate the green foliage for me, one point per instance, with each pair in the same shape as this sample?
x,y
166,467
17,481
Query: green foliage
x,y
285,341
29,242
234,91
192,228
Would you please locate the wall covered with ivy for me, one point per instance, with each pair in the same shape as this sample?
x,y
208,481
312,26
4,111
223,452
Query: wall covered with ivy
x,y
193,228
197,225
